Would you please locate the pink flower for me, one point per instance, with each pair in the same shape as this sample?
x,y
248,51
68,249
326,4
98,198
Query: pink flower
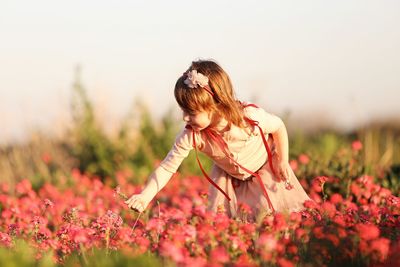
x,y
304,159
295,217
14,229
279,222
245,261
23,187
143,243
220,254
48,203
222,222
267,242
293,164
243,207
5,239
195,262
46,158
356,145
189,232
169,249
155,224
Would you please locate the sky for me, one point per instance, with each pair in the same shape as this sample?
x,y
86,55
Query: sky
x,y
337,61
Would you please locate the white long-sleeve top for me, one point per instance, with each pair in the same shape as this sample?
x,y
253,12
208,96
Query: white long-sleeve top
x,y
245,145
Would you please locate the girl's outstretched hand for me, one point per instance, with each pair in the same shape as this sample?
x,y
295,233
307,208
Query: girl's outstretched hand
x,y
137,202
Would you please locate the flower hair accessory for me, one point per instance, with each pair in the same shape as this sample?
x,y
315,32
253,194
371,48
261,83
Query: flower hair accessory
x,y
195,79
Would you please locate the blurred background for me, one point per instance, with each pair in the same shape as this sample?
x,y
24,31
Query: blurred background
x,y
89,84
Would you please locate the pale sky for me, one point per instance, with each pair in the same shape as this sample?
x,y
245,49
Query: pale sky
x,y
338,58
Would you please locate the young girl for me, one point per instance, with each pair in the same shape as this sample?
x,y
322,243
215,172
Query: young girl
x,y
250,167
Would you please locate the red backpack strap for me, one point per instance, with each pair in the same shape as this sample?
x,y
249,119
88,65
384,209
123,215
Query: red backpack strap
x,y
202,169
256,124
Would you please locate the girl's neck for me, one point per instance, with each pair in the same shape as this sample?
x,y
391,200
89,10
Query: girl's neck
x,y
219,124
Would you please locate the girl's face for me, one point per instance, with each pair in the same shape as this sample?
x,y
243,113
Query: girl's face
x,y
199,120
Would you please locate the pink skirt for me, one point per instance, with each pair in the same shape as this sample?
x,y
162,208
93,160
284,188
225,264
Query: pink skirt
x,y
250,193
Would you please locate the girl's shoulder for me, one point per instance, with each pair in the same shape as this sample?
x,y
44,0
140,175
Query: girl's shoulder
x,y
252,111
187,138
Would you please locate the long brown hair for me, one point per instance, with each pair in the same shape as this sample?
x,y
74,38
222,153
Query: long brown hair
x,y
222,100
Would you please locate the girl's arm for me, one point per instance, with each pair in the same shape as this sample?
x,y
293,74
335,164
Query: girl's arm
x,y
160,177
281,142
274,125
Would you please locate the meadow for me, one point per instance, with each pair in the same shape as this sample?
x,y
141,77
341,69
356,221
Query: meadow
x,y
62,201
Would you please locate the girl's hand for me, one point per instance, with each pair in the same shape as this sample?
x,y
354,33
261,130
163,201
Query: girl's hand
x,y
283,170
137,202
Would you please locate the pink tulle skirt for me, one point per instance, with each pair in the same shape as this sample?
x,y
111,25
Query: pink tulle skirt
x,y
250,193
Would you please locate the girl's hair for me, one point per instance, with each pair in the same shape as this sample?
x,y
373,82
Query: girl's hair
x,y
222,100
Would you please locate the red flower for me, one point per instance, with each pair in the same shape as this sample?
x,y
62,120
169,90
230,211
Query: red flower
x,y
318,183
295,217
310,204
279,222
355,189
318,232
292,249
367,231
282,262
300,232
169,249
339,220
381,246
336,198
328,209
333,238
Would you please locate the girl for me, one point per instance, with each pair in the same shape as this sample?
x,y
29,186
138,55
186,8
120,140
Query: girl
x,y
235,136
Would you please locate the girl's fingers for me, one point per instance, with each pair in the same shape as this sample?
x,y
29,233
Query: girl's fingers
x,y
137,207
284,174
135,203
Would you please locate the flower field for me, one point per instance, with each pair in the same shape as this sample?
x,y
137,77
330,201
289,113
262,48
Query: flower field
x,y
87,223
